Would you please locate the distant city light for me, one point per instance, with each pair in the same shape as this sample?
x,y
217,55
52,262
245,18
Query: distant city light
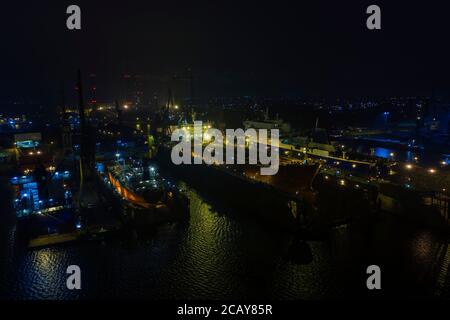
x,y
409,166
125,106
432,170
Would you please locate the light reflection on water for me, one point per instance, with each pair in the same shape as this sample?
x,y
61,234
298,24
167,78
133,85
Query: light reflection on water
x,y
218,255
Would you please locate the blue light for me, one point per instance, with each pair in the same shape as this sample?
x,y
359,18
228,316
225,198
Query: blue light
x,y
382,153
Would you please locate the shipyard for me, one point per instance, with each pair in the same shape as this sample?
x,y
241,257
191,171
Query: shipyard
x,y
236,140
190,157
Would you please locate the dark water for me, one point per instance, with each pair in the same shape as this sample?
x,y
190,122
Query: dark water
x,y
225,254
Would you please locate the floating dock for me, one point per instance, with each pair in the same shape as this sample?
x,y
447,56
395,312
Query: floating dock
x,y
94,233
53,239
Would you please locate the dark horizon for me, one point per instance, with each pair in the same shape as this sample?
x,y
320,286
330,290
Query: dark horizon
x,y
304,50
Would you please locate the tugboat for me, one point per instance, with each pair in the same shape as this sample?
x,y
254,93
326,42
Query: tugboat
x,y
143,196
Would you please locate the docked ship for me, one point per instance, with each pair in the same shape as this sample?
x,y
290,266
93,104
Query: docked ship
x,y
282,198
268,123
143,196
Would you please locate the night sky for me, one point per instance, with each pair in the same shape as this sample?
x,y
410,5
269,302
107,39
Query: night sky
x,y
295,49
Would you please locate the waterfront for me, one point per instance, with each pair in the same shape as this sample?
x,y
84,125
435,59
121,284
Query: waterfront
x,y
225,254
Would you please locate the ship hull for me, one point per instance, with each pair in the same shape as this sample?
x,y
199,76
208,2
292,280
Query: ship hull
x,y
138,216
269,202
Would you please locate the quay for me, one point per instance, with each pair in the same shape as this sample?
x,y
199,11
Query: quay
x,y
53,239
92,234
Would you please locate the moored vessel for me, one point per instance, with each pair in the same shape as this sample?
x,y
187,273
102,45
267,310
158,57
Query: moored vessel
x,y
144,197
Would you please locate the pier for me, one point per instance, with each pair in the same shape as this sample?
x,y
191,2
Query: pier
x,y
91,233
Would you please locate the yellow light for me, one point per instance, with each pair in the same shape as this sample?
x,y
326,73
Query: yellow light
x,y
408,166
176,107
354,166
342,182
392,154
125,106
431,170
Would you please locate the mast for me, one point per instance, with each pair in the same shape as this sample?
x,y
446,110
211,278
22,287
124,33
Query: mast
x,y
66,132
87,194
119,115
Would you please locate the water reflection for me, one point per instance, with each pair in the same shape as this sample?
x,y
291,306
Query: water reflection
x,y
219,254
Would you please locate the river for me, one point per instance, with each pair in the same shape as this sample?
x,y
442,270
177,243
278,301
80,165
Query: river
x,y
222,254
